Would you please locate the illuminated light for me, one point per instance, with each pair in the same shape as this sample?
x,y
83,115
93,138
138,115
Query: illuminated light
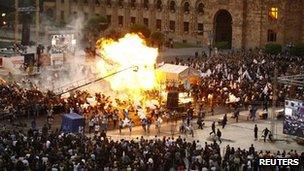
x,y
131,50
53,42
4,22
73,42
273,13
3,14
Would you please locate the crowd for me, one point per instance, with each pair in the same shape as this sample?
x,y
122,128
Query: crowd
x,y
242,78
245,77
34,150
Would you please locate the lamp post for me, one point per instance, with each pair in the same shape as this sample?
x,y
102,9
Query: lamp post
x,y
166,32
210,39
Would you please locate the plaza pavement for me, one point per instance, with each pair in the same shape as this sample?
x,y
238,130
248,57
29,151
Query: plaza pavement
x,y
234,134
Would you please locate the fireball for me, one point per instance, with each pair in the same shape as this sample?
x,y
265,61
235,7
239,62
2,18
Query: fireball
x,y
120,57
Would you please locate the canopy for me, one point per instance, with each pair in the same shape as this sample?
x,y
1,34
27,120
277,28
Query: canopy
x,y
170,72
71,122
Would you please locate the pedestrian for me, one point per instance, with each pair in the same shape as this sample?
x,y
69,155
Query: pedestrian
x,y
213,128
149,122
266,132
219,135
91,125
200,122
130,124
33,124
237,114
115,118
158,124
224,122
97,128
255,132
120,126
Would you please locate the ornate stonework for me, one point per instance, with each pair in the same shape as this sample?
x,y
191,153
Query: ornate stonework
x,y
251,24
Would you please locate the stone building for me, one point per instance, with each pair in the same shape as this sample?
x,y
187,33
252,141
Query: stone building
x,y
240,23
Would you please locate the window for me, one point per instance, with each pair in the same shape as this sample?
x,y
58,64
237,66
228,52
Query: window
x,y
109,19
62,15
97,3
146,22
186,26
271,36
200,8
172,25
120,3
273,13
158,24
186,7
133,20
146,4
120,20
159,5
172,6
200,28
133,3
109,3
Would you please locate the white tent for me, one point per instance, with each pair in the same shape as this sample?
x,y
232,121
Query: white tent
x,y
170,72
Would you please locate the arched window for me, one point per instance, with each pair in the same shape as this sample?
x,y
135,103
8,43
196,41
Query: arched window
x,y
200,8
133,2
186,7
172,6
120,3
146,4
109,2
159,4
97,2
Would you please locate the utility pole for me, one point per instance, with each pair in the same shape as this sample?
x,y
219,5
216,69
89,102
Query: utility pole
x,y
16,22
37,21
274,101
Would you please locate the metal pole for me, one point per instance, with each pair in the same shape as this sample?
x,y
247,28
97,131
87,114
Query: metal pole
x,y
16,22
274,100
37,21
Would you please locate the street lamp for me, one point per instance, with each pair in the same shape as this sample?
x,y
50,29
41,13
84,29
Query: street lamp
x,y
210,38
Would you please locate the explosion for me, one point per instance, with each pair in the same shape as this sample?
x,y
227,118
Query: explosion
x,y
131,61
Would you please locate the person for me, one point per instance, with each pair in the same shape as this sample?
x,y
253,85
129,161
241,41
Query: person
x,y
143,124
266,132
213,128
120,126
97,128
91,125
158,124
149,122
237,114
251,149
255,132
115,118
224,122
270,136
219,135
200,122
33,124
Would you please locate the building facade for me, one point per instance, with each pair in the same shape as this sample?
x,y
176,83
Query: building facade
x,y
240,23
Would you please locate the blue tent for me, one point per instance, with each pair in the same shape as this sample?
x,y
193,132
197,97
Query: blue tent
x,y
71,122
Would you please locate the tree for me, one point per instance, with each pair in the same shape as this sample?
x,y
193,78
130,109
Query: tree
x,y
157,38
138,28
297,50
273,49
94,27
113,34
